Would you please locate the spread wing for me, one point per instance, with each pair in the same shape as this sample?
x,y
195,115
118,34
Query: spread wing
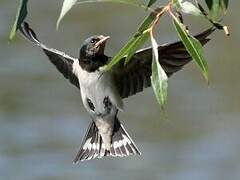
x,y
135,76
61,61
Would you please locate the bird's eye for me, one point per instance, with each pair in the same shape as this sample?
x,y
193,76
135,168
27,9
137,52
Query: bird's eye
x,y
93,40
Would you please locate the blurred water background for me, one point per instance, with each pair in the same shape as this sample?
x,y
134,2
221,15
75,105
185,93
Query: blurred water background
x,y
42,120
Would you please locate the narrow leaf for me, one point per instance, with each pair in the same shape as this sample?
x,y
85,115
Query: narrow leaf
x,y
136,41
217,7
151,2
216,24
20,16
67,5
226,2
129,2
177,3
135,46
216,10
193,46
209,4
147,22
158,77
123,52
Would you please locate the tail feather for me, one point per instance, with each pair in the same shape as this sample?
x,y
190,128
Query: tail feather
x,y
94,147
91,146
122,144
29,34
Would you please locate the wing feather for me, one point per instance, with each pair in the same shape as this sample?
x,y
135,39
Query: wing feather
x,y
135,76
60,60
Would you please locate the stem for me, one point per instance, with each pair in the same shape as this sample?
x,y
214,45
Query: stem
x,y
171,13
164,9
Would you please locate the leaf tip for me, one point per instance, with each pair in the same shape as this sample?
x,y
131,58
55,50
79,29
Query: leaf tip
x,y
13,32
11,36
58,22
206,77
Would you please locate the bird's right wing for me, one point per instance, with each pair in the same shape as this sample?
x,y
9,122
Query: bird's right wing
x,y
62,61
135,76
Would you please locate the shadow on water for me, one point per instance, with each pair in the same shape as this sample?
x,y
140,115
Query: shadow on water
x,y
43,121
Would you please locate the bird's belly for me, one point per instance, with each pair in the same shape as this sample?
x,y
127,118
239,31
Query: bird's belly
x,y
100,90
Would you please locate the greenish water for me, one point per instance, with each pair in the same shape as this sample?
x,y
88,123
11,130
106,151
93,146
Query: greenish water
x,y
42,120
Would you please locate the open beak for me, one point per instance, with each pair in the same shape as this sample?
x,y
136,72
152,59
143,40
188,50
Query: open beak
x,y
102,40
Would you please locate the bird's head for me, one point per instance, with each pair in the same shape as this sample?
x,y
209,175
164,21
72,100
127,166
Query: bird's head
x,y
92,52
93,46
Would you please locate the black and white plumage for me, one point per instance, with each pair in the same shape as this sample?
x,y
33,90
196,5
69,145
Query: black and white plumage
x,y
93,147
102,92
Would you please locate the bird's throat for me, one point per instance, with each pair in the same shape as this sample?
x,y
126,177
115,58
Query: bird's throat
x,y
91,64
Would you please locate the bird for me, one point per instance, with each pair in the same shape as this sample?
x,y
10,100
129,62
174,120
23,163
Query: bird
x,y
103,92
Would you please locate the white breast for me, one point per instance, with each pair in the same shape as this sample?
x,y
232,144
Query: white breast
x,y
96,86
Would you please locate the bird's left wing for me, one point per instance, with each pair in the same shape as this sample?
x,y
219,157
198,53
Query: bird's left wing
x,y
62,61
135,76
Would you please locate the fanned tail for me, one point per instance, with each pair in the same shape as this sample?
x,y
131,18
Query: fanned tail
x,y
93,145
122,144
90,147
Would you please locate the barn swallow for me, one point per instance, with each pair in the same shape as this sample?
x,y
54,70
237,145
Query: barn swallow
x,y
103,91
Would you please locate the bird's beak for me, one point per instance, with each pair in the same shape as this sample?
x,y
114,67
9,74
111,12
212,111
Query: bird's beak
x,y
102,40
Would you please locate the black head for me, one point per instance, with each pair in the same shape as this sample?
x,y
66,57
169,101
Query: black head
x,y
92,53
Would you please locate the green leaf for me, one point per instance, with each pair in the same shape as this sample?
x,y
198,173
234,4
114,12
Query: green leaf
x,y
139,38
216,24
123,52
20,16
129,49
158,78
117,1
217,7
193,46
209,3
177,3
151,2
225,4
216,10
129,2
67,5
148,21
136,45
